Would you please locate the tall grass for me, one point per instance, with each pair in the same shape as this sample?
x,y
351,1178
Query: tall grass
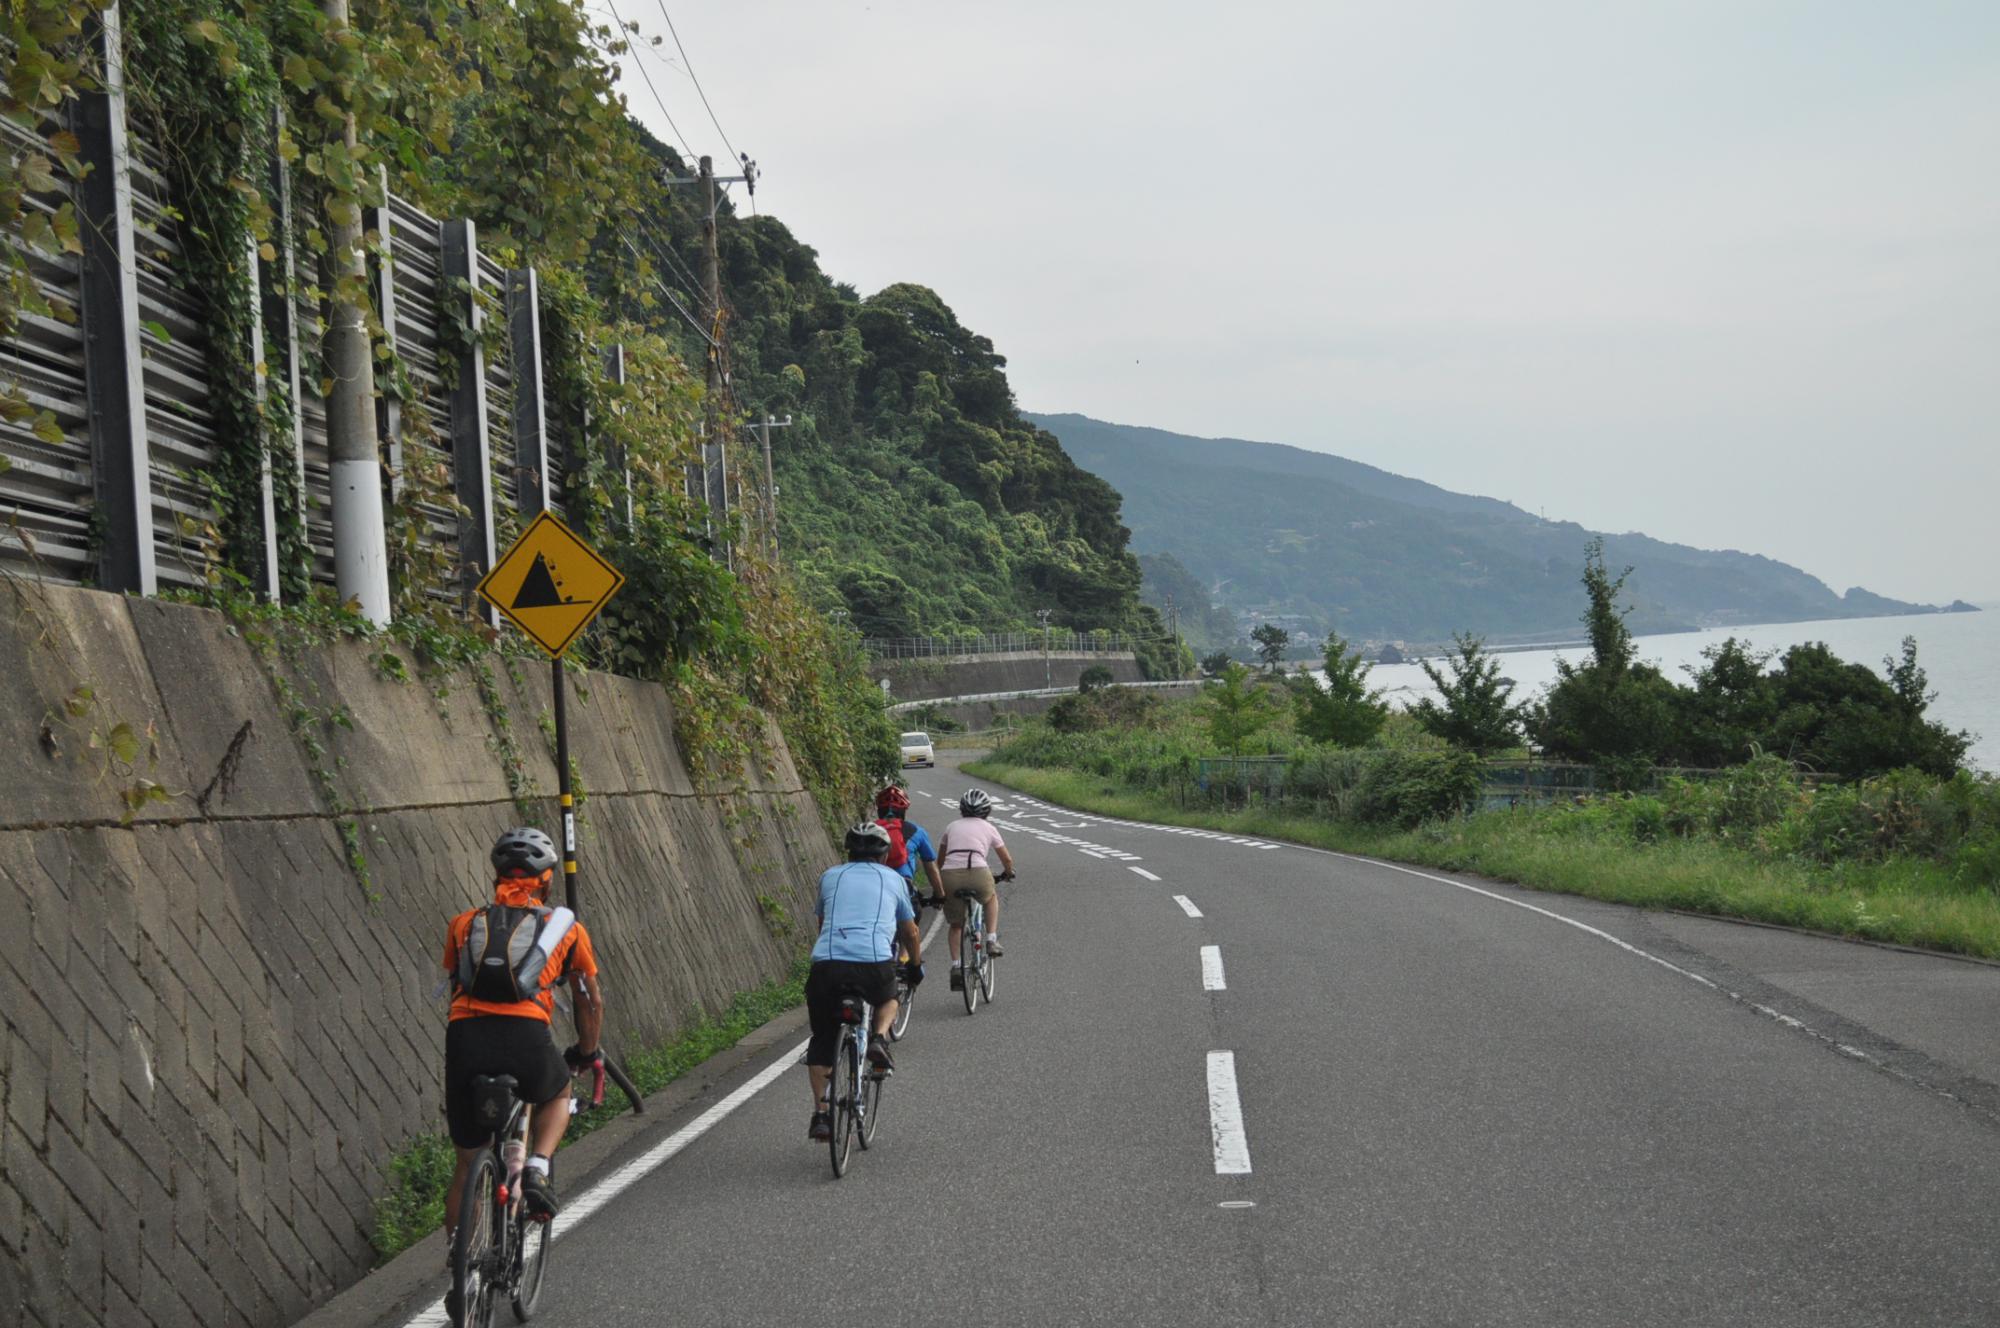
x,y
1591,850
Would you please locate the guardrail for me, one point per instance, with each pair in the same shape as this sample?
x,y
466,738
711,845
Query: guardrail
x,y
903,707
1002,643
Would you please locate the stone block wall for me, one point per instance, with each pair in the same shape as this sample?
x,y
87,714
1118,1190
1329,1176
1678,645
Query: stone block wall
x,y
213,1032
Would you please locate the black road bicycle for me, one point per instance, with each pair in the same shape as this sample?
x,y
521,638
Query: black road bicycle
x,y
500,1250
854,1093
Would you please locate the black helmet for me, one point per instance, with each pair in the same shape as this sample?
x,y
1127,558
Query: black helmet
x,y
867,841
975,803
524,849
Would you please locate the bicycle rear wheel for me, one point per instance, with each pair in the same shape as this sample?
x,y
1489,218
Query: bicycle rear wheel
x,y
532,1255
846,1078
871,1104
969,954
988,965
473,1245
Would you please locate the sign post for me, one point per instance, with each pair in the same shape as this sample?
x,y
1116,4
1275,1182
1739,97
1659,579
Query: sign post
x,y
550,584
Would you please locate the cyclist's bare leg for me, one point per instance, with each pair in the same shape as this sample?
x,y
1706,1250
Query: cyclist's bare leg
x,y
885,1015
957,937
461,1168
820,1075
993,915
548,1123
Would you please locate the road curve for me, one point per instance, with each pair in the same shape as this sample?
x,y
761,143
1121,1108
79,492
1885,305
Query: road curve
x,y
1232,1082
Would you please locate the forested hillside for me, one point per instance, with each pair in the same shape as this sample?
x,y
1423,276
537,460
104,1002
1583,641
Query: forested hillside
x,y
1283,532
912,491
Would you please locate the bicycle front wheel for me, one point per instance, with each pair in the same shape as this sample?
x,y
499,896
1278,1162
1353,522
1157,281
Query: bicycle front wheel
x,y
845,1087
988,966
473,1245
532,1250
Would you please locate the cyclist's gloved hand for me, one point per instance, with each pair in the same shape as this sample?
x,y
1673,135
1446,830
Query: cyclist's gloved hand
x,y
578,1060
914,975
1005,876
935,901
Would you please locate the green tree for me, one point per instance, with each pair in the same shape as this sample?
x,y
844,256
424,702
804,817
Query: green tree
x,y
1610,711
1237,710
1093,678
1474,710
1341,710
1213,666
1271,642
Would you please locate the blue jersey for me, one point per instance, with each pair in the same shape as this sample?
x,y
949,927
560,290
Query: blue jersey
x,y
920,847
860,904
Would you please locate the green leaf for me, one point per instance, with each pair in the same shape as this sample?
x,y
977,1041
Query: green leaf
x,y
48,430
159,330
123,742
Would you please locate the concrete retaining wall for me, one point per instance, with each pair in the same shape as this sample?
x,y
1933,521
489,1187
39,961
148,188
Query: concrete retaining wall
x,y
215,1035
974,675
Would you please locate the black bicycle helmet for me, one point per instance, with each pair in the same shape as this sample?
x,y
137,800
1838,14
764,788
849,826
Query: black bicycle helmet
x,y
524,850
868,841
975,803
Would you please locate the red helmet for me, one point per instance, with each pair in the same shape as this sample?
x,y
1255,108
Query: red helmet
x,y
892,799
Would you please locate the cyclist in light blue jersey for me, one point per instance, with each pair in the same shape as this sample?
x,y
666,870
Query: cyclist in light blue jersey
x,y
864,913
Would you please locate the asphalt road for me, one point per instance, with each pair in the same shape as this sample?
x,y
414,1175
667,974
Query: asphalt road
x,y
1459,1104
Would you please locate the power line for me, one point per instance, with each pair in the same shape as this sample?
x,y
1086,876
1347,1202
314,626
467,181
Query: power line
x,y
689,66
692,321
640,65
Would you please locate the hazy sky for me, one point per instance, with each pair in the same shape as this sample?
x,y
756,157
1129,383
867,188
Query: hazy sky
x,y
1728,272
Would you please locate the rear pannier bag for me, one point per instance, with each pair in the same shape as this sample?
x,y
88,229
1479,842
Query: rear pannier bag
x,y
506,950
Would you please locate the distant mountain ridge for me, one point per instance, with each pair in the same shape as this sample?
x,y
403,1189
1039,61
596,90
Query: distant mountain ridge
x,y
1282,532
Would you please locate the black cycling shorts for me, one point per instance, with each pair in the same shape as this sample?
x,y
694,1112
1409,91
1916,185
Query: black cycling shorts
x,y
826,984
498,1044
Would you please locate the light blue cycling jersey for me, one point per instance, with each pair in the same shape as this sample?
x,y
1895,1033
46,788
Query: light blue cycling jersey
x,y
860,904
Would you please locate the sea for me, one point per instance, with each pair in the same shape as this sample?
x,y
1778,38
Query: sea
x,y
1959,651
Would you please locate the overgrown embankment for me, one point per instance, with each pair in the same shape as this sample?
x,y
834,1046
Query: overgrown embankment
x,y
231,846
1903,857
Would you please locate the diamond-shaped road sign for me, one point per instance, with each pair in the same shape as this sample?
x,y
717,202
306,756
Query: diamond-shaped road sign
x,y
550,584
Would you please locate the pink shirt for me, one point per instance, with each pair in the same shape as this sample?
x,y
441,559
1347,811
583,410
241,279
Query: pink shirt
x,y
966,843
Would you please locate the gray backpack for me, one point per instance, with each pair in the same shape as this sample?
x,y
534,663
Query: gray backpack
x,y
506,950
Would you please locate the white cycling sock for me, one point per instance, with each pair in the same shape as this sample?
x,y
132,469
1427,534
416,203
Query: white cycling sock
x,y
956,965
539,1163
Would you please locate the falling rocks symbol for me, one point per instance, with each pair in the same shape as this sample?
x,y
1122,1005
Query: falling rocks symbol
x,y
539,590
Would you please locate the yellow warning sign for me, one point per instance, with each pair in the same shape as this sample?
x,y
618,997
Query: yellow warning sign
x,y
550,584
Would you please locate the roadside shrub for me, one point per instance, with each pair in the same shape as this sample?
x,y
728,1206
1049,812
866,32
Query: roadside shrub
x,y
1102,708
1409,788
1687,806
1832,825
1328,778
1645,819
1753,796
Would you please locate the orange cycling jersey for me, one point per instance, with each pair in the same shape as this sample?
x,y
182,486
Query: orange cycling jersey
x,y
573,955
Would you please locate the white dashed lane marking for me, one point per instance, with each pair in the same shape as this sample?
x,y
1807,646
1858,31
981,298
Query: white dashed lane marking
x,y
1187,906
1143,872
1225,1117
1211,969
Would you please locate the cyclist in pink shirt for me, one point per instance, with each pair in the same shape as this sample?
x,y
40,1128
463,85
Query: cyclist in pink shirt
x,y
965,854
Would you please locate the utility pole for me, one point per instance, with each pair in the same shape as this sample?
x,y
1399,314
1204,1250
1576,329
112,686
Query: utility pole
x,y
715,479
771,486
1048,671
360,547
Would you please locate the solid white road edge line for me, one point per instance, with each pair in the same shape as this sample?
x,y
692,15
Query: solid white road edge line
x,y
1225,1116
621,1180
1187,906
1143,872
1211,969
